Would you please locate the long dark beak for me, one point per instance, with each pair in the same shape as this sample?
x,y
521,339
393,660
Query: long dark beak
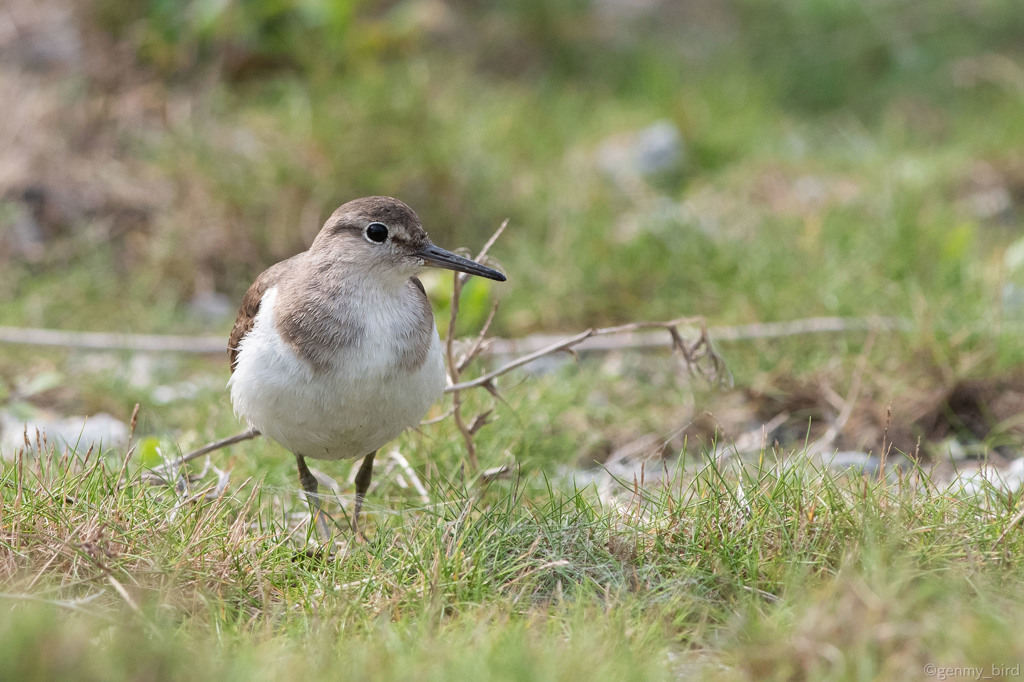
x,y
437,257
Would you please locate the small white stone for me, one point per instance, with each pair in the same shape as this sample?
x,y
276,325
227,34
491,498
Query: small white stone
x,y
77,433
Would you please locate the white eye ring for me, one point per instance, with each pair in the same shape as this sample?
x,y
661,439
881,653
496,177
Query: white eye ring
x,y
376,233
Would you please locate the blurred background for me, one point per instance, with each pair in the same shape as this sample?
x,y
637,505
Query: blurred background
x,y
744,160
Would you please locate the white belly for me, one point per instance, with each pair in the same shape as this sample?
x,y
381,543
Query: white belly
x,y
351,408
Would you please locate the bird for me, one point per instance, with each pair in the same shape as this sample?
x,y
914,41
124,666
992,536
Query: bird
x,y
335,351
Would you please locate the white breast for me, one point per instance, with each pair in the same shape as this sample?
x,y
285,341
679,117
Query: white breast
x,y
351,408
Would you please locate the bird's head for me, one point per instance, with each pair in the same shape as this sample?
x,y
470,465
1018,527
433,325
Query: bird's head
x,y
383,238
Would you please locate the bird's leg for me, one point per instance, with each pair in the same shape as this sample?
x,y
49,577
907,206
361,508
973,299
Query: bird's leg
x,y
309,484
363,477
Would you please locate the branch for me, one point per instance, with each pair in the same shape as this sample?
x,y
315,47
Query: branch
x,y
209,447
692,354
456,365
745,332
827,439
556,347
490,242
156,343
216,345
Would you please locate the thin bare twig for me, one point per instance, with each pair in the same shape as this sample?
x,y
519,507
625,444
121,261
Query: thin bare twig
x,y
479,343
692,354
154,343
454,372
407,470
455,364
642,339
438,419
487,378
828,438
490,242
216,345
248,434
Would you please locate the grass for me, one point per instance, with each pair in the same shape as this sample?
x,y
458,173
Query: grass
x,y
765,572
840,158
851,199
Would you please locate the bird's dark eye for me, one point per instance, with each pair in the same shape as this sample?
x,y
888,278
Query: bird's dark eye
x,y
377,232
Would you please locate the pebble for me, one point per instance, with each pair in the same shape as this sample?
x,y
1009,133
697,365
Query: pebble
x,y
629,158
76,433
985,479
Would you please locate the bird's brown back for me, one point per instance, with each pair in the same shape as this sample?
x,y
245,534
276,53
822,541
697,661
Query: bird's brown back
x,y
251,304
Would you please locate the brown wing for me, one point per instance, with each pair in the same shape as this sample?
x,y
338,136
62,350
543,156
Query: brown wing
x,y
251,305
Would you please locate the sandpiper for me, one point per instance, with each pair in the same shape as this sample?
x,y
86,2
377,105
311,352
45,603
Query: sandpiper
x,y
334,351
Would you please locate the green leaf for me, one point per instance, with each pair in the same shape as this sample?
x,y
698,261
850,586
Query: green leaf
x,y
148,452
